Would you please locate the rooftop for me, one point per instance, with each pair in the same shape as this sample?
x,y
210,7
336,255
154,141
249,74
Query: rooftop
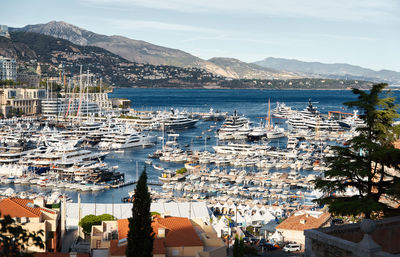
x,y
303,220
17,207
179,232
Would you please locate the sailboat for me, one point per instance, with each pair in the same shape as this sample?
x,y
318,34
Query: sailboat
x,y
273,131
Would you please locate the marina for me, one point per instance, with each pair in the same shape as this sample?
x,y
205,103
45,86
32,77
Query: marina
x,y
265,170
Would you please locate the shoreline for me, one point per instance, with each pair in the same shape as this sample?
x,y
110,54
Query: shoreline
x,y
223,88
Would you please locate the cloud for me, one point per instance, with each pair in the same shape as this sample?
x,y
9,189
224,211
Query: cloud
x,y
346,37
338,10
156,25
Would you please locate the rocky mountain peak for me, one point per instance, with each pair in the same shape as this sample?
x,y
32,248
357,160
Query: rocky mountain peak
x,y
60,29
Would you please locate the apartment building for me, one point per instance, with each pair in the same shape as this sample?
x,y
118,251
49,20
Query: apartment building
x,y
8,69
292,228
33,215
174,236
25,101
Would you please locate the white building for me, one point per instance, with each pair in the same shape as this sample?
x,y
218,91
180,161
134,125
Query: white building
x,y
23,100
4,31
73,105
8,69
292,228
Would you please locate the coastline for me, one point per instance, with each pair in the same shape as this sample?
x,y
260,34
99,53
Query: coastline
x,y
242,88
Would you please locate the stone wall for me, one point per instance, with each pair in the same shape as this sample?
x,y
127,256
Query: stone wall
x,y
349,240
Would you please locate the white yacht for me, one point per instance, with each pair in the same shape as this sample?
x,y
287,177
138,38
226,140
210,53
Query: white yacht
x,y
352,121
132,139
231,125
175,120
241,149
282,111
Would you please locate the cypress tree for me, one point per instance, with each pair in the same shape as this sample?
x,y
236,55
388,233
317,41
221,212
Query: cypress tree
x,y
140,235
369,166
236,247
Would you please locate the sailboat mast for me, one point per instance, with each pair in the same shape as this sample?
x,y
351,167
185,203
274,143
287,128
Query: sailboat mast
x,y
80,93
87,94
269,114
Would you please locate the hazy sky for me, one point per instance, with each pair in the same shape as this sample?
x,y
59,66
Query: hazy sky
x,y
360,32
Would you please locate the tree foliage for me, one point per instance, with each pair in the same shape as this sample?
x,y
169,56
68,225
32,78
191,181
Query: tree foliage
x,y
14,239
364,176
140,235
90,220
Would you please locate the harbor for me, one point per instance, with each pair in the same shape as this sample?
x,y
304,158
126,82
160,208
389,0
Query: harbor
x,y
248,168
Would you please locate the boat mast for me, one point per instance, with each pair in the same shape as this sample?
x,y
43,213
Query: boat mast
x,y
80,93
101,82
87,95
269,114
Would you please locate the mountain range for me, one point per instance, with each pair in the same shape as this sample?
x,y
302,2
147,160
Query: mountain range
x,y
270,68
335,70
143,52
57,55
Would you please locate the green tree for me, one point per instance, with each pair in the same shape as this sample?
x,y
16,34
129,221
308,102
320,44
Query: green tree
x,y
90,220
238,247
14,239
242,248
140,235
369,165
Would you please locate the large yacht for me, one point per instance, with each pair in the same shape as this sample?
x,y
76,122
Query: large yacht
x,y
132,139
352,121
231,125
282,111
177,121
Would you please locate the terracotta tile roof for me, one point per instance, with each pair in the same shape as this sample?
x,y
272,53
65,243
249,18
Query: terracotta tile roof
x,y
178,231
59,255
123,228
304,221
17,207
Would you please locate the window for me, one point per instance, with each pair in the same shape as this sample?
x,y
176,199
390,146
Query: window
x,y
175,252
12,94
50,235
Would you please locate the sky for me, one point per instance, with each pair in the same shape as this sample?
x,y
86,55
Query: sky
x,y
359,32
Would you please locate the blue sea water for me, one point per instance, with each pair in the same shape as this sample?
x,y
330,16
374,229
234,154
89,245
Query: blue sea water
x,y
251,103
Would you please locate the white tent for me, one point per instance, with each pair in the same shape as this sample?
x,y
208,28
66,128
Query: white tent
x,y
257,218
248,219
269,226
263,209
276,237
221,226
268,216
240,219
217,205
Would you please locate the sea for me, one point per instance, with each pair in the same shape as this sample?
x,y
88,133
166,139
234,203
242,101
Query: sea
x,y
251,103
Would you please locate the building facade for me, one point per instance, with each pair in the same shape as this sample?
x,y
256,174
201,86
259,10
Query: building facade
x,y
74,105
31,80
4,31
292,229
24,101
33,215
8,69
174,236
